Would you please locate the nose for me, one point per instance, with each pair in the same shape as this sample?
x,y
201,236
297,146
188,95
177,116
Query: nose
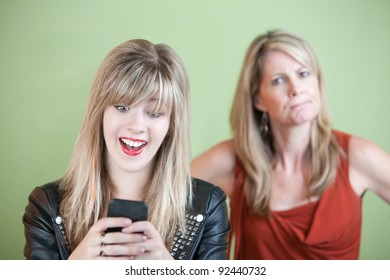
x,y
295,87
135,121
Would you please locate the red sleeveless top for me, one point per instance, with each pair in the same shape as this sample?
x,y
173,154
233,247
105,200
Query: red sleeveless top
x,y
329,228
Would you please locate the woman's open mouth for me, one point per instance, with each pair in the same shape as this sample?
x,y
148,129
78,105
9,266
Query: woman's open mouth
x,y
131,146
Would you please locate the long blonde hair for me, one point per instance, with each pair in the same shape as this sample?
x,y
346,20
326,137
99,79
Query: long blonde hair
x,y
256,152
133,71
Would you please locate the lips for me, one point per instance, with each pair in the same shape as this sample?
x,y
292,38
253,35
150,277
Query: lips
x,y
131,146
294,106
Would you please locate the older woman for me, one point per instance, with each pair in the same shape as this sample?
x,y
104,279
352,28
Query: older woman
x,y
294,183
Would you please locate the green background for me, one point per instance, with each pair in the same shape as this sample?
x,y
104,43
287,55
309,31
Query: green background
x,y
50,50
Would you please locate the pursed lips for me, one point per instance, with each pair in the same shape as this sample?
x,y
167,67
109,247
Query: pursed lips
x,y
296,105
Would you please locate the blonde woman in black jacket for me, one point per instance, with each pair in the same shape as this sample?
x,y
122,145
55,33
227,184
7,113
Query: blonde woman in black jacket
x,y
134,144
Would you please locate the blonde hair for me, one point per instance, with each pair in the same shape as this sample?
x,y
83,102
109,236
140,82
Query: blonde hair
x,y
133,71
255,152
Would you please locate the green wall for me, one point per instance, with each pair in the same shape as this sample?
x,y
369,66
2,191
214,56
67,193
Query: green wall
x,y
50,50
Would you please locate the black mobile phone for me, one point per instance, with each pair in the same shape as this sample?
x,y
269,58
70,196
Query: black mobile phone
x,y
133,209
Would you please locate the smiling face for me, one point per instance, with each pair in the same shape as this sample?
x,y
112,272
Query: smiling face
x,y
289,91
133,135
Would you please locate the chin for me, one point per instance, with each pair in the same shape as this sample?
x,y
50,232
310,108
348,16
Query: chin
x,y
304,117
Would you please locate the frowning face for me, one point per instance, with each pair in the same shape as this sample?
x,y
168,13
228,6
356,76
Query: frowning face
x,y
289,91
133,135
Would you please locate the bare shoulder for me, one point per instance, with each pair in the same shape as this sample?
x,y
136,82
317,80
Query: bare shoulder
x,y
369,167
223,149
361,150
221,155
216,165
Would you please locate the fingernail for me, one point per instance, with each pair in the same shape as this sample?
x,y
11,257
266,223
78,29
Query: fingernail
x,y
141,250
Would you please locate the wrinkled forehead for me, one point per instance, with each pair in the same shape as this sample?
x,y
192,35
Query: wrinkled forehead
x,y
277,59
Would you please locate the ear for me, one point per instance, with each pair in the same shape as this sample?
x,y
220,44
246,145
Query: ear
x,y
258,104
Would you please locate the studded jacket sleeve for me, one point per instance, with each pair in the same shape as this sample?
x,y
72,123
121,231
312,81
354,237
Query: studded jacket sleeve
x,y
42,229
212,239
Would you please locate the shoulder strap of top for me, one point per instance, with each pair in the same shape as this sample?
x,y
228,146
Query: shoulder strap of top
x,y
343,139
237,210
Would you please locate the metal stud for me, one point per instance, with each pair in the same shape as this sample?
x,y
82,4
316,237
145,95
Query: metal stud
x,y
199,218
58,220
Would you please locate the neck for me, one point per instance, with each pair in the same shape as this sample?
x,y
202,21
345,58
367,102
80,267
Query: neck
x,y
129,185
291,145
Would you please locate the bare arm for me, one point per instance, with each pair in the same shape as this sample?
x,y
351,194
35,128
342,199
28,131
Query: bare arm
x,y
216,166
369,168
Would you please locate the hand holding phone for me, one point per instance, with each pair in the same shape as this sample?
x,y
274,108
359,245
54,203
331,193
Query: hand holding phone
x,y
132,209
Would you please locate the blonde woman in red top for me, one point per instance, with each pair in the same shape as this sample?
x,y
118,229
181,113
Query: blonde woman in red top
x,y
295,184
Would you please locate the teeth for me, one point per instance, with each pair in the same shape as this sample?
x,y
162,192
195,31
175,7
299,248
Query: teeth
x,y
134,144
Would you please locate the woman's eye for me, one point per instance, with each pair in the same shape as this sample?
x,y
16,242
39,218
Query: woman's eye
x,y
304,73
121,108
277,81
155,114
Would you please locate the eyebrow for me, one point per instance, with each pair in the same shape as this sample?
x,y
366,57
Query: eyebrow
x,y
153,100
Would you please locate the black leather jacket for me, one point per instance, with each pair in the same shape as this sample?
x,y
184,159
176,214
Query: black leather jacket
x,y
206,237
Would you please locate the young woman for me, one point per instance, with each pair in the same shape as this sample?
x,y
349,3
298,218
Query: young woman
x,y
134,144
295,184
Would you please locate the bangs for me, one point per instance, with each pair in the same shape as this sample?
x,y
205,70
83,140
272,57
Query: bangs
x,y
128,88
